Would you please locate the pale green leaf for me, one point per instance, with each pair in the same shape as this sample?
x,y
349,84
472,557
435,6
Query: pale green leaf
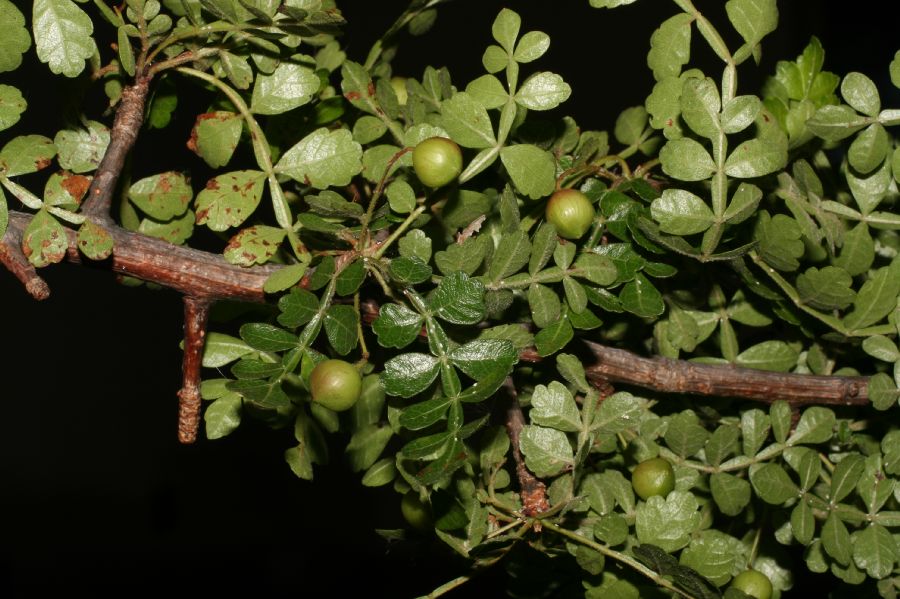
x,y
62,33
543,91
229,199
323,159
667,523
467,121
12,104
532,170
547,450
15,40
861,93
686,159
670,46
680,212
289,86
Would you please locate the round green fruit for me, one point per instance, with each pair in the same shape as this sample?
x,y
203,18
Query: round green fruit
x,y
653,477
437,161
571,212
399,85
415,512
335,384
753,583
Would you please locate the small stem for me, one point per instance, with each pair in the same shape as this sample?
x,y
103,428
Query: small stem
x,y
15,262
373,201
619,557
196,314
754,548
359,331
532,489
447,587
399,231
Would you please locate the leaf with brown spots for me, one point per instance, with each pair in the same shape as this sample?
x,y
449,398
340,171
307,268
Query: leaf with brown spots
x,y
66,190
44,240
215,136
163,196
82,149
26,154
229,199
94,241
176,231
254,245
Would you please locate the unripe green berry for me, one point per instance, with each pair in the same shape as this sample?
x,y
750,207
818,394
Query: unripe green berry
x,y
437,161
753,583
571,212
399,85
415,512
335,384
653,477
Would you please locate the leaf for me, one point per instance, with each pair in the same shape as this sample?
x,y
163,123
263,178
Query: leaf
x,y
511,255
15,41
289,86
532,170
380,473
596,268
44,240
640,297
554,337
12,103
755,158
547,450
845,476
700,106
803,523
532,46
731,494
94,241
505,28
267,337
836,539
485,358
680,212
215,136
687,160
163,196
630,125
488,90
175,231
816,425
753,19
341,322
223,416
826,289
285,277
861,93
323,159
739,113
397,326
875,551
229,199
834,123
545,305
297,308
266,395
467,121
869,148
667,523
712,555
883,391
458,299
408,374
543,91
494,59
62,33
779,240
670,46
876,298
685,435
768,355
772,484
553,406
401,196
618,412
366,445
26,154
82,149
425,413
452,458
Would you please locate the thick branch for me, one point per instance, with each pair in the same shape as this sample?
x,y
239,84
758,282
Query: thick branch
x,y
125,129
532,490
189,271
14,260
196,314
678,376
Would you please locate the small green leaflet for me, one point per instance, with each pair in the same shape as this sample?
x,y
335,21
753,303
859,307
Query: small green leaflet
x,y
44,240
467,122
62,33
82,149
266,337
215,136
341,322
686,159
15,41
532,170
285,277
667,523
26,154
553,406
163,196
408,374
94,241
254,245
680,212
289,86
223,416
543,91
547,450
397,326
323,159
670,46
12,104
229,199
458,299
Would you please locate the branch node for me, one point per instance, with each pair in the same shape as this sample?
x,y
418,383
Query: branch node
x,y
15,262
196,314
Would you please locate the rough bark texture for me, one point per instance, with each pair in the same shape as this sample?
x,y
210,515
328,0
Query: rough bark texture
x,y
196,313
678,376
531,489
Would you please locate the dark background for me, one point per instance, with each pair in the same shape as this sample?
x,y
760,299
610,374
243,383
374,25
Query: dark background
x,y
96,494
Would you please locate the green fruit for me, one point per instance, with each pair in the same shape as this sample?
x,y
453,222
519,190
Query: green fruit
x,y
437,161
571,212
653,477
415,512
335,384
753,583
399,85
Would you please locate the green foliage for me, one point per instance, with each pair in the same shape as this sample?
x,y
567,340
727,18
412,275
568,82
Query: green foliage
x,y
756,230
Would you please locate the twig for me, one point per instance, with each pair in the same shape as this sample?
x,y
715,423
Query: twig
x,y
125,129
196,314
679,376
532,489
15,262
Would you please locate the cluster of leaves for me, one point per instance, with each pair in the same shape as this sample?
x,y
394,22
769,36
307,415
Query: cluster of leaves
x,y
777,208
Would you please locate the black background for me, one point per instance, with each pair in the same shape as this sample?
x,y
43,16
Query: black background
x,y
96,494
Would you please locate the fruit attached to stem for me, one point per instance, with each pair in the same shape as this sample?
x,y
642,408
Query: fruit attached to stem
x,y
753,583
437,161
653,477
335,384
571,212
